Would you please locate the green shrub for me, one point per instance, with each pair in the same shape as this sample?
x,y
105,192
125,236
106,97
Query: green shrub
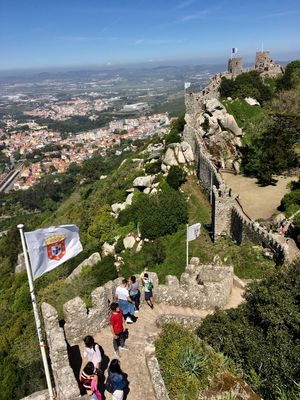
x,y
153,168
119,246
154,252
261,335
176,177
187,363
156,215
291,77
289,199
245,85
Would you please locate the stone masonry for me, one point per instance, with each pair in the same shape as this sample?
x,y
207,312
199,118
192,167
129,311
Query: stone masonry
x,y
200,288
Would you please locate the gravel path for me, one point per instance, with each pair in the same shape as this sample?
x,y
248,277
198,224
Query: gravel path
x,y
257,201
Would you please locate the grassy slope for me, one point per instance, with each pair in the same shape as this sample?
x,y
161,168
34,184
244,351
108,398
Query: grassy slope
x,y
252,119
246,258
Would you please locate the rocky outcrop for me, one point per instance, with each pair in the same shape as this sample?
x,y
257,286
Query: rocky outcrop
x,y
21,263
177,154
107,249
143,181
117,207
92,260
218,132
251,101
129,242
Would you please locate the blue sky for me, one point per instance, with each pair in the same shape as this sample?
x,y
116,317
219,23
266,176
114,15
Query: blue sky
x,y
41,33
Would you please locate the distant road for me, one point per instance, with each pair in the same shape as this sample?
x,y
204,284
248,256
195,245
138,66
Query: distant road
x,y
10,178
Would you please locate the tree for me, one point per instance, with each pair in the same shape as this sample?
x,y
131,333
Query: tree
x,y
291,76
176,177
156,215
247,84
262,334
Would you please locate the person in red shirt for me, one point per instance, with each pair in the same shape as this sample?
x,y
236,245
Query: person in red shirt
x,y
117,328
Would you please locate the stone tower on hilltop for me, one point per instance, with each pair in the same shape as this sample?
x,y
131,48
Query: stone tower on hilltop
x,y
235,66
264,64
263,61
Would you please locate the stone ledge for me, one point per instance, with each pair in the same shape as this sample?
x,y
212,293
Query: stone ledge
x,y
188,322
154,370
237,282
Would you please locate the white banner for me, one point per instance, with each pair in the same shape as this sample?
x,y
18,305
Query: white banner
x,y
187,85
50,247
193,231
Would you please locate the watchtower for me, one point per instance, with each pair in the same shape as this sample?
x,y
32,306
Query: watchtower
x,y
263,61
235,66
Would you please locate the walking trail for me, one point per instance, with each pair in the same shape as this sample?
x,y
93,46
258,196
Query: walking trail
x,y
133,362
258,201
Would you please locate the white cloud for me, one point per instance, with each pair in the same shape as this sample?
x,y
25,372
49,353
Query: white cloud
x,y
185,4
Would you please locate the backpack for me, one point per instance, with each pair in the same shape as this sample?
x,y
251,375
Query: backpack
x,y
150,285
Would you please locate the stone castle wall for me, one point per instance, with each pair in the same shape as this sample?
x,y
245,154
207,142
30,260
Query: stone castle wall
x,y
227,215
200,286
244,230
205,169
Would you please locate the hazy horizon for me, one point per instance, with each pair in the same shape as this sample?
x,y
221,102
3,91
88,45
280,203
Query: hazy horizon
x,y
74,34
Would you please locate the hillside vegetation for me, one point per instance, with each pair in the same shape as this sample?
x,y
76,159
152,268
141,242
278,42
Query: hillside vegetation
x,y
86,200
272,131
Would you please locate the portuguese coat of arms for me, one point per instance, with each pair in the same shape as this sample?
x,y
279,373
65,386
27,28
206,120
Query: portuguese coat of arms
x,y
56,246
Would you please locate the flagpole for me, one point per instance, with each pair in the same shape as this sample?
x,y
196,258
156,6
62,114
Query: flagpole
x,y
187,245
36,314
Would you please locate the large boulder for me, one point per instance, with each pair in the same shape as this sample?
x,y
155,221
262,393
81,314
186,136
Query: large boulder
x,y
229,123
129,242
179,154
107,249
251,101
169,157
21,263
213,104
117,207
128,200
187,152
92,260
144,181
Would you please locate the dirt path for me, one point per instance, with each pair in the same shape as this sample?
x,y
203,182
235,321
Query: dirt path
x,y
257,201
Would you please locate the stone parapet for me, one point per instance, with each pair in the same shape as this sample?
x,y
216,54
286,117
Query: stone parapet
x,y
154,370
81,321
65,382
201,286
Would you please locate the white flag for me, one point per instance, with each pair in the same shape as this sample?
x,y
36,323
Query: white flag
x,y
187,85
193,231
50,247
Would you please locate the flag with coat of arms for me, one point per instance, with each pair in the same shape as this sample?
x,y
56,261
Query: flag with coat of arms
x,y
50,247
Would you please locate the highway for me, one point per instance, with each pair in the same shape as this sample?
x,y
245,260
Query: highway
x,y
10,177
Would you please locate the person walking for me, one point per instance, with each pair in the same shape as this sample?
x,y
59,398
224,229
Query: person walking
x,y
92,351
89,381
148,287
116,382
134,292
117,328
125,302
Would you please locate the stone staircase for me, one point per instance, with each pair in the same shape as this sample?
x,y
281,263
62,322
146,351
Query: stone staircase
x,y
133,361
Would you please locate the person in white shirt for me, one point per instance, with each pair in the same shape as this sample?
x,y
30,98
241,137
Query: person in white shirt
x,y
125,302
92,351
